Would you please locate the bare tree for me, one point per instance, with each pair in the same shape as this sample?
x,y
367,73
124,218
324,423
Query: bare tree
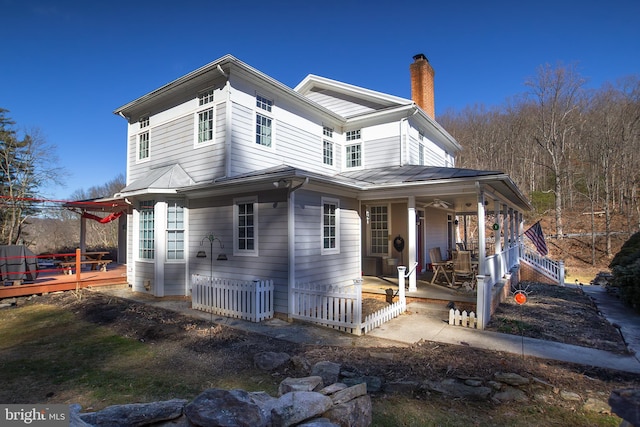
x,y
27,163
557,94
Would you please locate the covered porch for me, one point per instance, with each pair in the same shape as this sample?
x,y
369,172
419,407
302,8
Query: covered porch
x,y
444,210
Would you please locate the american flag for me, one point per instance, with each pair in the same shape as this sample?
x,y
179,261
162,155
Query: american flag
x,y
537,237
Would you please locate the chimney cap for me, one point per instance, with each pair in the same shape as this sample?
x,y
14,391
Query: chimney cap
x,y
420,56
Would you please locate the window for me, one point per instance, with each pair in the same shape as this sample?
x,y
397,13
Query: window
x,y
327,152
175,231
421,154
327,146
379,223
264,103
143,146
246,227
354,151
147,227
264,123
205,97
263,130
205,125
330,226
354,155
144,122
352,135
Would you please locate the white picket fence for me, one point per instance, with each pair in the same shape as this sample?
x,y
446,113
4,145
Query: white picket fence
x,y
242,299
465,319
383,315
339,307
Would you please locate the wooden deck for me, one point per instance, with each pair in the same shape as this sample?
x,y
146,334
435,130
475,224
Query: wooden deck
x,y
52,282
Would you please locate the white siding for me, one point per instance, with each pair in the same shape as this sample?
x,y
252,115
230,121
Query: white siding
x,y
381,153
216,216
436,231
311,265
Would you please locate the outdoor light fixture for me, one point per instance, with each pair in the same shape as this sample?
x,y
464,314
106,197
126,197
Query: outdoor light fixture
x,y
201,254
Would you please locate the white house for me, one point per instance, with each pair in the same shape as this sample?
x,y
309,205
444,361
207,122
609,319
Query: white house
x,y
305,185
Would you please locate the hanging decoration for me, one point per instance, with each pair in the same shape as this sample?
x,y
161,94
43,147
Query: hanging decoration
x,y
107,219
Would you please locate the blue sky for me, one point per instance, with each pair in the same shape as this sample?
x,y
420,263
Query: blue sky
x,y
66,65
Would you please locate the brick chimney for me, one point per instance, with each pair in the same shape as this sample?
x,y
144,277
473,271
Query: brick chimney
x,y
422,76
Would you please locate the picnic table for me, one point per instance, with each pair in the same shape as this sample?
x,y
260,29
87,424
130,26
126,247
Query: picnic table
x,y
94,259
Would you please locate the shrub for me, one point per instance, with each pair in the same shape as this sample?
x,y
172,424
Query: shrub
x,y
625,267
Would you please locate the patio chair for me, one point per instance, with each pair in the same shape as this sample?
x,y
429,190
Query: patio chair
x,y
463,269
440,267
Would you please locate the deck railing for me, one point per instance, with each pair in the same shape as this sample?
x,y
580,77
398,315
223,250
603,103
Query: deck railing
x,y
242,299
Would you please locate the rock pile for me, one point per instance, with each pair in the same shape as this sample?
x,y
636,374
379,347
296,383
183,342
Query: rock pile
x,y
300,402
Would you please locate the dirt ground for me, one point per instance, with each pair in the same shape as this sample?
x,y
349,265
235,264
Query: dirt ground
x,y
193,342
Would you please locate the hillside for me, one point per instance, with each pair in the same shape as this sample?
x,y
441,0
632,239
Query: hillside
x,y
576,248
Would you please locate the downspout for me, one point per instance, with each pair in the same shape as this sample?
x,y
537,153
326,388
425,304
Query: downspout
x,y
291,242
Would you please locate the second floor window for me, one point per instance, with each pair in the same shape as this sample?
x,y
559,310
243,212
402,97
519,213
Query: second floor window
x,y
327,146
354,155
205,125
421,154
264,123
205,97
327,152
353,150
263,130
143,145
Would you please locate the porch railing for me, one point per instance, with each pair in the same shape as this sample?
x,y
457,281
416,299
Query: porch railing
x,y
242,299
551,269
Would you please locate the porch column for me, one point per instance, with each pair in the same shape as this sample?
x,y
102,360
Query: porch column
x,y
482,235
497,241
291,247
412,234
83,234
498,258
160,227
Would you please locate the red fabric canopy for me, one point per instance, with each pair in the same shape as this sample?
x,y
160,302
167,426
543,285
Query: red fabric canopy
x,y
112,216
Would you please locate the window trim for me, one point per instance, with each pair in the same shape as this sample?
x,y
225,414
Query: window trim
x,y
139,146
236,225
146,205
176,204
370,229
264,107
336,202
327,140
196,139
